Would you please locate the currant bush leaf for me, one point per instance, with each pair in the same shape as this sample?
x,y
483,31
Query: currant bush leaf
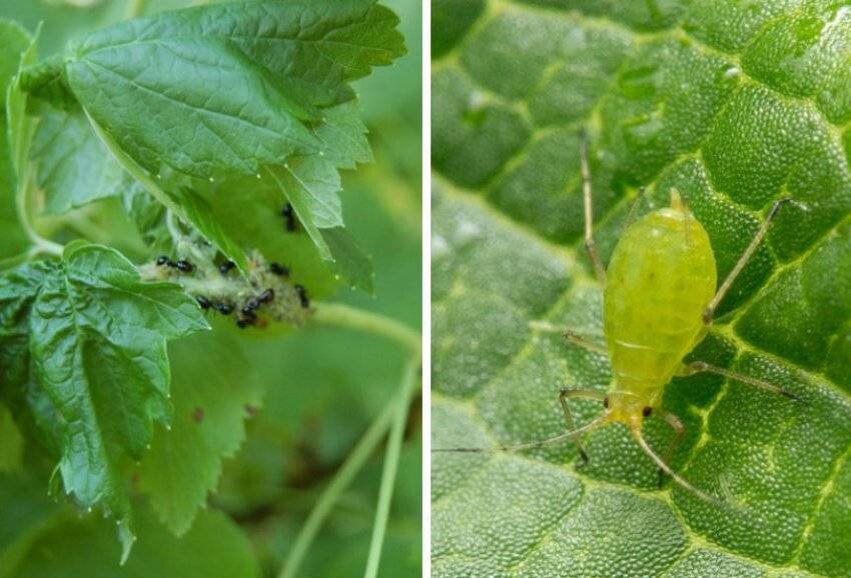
x,y
74,166
84,342
214,390
714,100
350,261
14,41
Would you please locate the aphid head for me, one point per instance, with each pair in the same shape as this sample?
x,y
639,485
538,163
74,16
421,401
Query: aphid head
x,y
627,408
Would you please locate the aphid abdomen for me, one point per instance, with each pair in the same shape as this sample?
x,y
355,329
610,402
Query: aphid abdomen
x,y
660,279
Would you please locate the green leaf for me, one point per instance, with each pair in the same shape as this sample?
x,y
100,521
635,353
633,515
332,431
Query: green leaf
x,y
220,90
350,261
197,211
343,135
214,548
14,41
312,186
74,166
711,98
149,216
87,340
214,390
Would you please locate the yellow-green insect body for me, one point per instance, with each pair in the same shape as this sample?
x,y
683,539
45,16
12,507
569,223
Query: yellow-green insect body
x,y
660,279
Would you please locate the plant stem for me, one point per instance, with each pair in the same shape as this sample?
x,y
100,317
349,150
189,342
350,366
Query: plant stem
x,y
344,476
39,244
391,466
366,321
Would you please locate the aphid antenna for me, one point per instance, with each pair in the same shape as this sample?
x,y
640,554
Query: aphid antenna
x,y
679,480
584,341
570,435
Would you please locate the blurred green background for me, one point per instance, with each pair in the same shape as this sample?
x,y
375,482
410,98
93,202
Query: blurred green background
x,y
323,386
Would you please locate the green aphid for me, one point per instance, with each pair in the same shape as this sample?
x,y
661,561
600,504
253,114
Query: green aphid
x,y
658,303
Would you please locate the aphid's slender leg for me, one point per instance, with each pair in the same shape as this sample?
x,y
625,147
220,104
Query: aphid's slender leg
x,y
529,445
680,481
563,397
679,430
709,312
703,367
633,208
586,341
589,209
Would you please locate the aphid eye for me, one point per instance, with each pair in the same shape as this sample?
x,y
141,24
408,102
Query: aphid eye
x,y
203,302
647,411
162,260
279,270
606,402
225,267
185,266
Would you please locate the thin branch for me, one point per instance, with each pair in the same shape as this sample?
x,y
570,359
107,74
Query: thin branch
x,y
391,466
368,322
344,476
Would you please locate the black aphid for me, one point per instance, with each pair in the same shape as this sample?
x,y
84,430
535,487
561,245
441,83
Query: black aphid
x,y
162,260
185,266
251,305
302,295
244,322
289,218
279,270
203,302
267,296
223,308
225,267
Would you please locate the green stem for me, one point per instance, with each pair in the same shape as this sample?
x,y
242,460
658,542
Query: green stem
x,y
353,318
39,244
391,466
344,476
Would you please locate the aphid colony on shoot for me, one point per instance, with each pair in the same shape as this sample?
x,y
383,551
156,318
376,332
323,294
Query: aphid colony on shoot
x,y
263,291
659,300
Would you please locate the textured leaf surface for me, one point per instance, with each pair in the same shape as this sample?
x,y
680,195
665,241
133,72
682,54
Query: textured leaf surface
x,y
84,340
211,399
735,107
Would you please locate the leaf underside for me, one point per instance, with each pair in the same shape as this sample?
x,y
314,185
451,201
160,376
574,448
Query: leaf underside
x,y
734,106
